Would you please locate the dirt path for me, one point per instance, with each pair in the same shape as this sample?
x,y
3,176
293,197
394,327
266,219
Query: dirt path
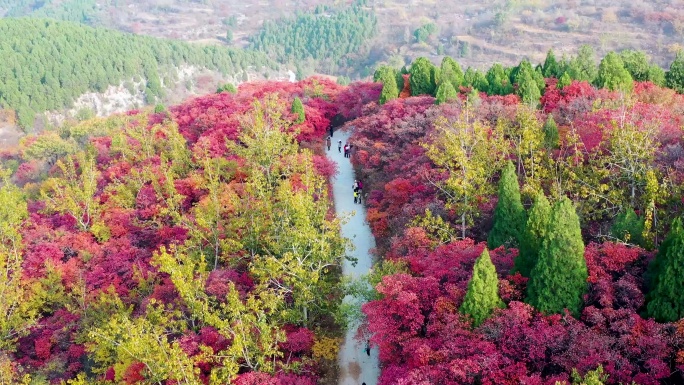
x,y
356,366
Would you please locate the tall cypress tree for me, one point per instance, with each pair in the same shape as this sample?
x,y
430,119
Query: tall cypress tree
x,y
666,298
452,72
482,297
389,87
559,278
528,90
551,136
550,68
509,215
422,77
564,81
613,75
537,225
675,76
445,92
298,108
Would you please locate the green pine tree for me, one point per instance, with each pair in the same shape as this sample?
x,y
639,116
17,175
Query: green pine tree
x,y
628,227
551,136
536,228
482,297
613,75
389,87
228,87
666,298
422,76
509,215
499,83
656,75
550,68
675,76
445,93
564,81
528,90
452,72
636,63
298,108
476,79
583,66
559,278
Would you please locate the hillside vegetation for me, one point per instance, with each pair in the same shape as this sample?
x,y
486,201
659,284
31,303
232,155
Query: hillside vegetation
x,y
332,38
527,221
48,64
79,11
478,33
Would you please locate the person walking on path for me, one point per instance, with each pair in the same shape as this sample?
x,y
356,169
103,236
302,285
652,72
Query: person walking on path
x,y
339,145
346,150
328,142
356,196
368,348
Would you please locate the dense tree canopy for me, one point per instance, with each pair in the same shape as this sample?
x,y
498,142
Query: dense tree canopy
x,y
328,35
48,64
191,243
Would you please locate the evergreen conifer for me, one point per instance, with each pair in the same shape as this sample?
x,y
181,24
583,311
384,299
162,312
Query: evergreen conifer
x,y
452,72
563,81
551,136
445,93
298,108
482,297
675,76
422,77
509,215
550,68
389,87
613,75
535,231
528,90
628,227
559,278
666,298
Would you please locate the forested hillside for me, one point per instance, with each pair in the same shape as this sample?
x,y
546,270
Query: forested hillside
x,y
476,32
527,219
332,38
48,64
79,11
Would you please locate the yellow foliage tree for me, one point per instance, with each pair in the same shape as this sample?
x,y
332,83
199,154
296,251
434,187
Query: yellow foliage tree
x,y
469,150
74,192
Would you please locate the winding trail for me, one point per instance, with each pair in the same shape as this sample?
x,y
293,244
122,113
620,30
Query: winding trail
x,y
356,366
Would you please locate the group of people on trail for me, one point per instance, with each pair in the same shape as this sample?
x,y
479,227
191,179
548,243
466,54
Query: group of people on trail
x,y
347,147
347,150
358,189
358,186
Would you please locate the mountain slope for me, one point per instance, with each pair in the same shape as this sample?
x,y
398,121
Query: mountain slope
x,y
48,64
